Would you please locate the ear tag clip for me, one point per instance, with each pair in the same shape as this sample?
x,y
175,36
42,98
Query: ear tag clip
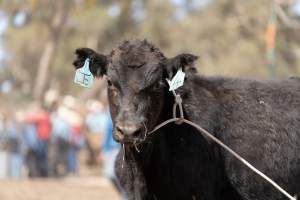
x,y
177,81
83,76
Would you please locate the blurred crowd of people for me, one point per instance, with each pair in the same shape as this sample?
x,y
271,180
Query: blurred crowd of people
x,y
45,140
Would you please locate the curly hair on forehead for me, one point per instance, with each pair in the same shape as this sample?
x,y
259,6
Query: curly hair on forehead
x,y
137,47
135,53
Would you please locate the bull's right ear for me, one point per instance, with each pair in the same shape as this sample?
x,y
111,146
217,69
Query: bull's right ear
x,y
98,62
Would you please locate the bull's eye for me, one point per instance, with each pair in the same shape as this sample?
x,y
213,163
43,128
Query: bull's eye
x,y
113,90
109,83
157,85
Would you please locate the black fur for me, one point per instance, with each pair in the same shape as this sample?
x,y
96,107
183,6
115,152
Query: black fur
x,y
260,120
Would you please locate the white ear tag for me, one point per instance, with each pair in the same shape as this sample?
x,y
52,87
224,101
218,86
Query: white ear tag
x,y
83,76
177,80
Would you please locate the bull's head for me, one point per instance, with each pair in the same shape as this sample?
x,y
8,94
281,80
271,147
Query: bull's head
x,y
136,74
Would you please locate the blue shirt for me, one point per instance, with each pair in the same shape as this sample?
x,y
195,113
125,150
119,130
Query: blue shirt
x,y
109,143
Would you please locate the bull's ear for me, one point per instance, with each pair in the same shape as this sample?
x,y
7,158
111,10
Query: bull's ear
x,y
184,61
98,62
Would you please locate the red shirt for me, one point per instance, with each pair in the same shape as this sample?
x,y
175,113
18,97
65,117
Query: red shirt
x,y
43,124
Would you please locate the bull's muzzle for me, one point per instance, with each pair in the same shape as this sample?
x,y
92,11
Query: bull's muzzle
x,y
128,132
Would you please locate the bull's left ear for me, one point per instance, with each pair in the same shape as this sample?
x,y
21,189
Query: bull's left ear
x,y
185,61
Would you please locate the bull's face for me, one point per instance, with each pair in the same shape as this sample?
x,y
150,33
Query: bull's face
x,y
136,87
136,80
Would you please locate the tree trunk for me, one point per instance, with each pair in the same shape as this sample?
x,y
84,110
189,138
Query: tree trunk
x,y
57,25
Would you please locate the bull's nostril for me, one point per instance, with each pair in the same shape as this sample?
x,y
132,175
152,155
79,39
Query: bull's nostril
x,y
136,133
119,129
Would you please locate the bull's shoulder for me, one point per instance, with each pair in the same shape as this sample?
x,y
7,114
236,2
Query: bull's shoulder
x,y
236,90
218,82
224,85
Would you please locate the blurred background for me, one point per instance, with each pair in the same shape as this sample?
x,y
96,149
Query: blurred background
x,y
55,136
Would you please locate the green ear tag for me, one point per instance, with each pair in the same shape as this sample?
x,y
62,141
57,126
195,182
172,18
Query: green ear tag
x,y
83,76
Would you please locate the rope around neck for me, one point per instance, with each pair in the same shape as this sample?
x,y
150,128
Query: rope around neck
x,y
180,120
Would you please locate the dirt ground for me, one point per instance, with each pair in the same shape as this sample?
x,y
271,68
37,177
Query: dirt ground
x,y
71,188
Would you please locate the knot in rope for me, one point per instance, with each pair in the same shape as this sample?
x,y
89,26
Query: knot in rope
x,y
178,103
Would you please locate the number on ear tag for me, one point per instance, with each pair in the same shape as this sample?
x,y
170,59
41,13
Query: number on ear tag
x,y
83,76
177,80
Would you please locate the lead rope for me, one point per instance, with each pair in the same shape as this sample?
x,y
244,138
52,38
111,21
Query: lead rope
x,y
180,120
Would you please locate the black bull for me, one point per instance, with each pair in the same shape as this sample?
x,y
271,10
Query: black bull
x,y
258,119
